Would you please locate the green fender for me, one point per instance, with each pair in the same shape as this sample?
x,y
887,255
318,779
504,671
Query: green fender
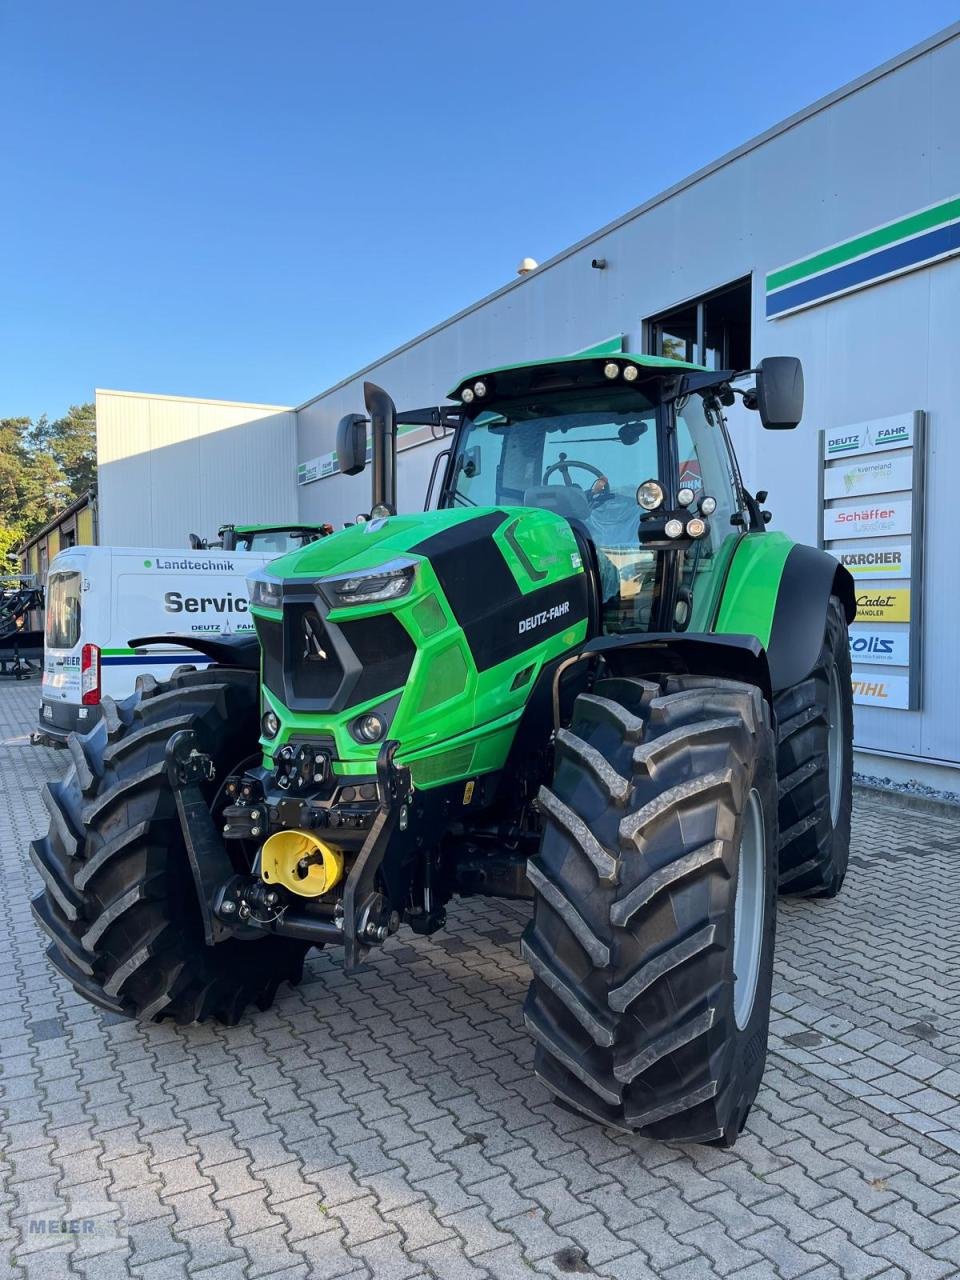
x,y
779,591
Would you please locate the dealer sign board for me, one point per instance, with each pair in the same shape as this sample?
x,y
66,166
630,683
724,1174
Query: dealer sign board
x,y
871,500
886,559
869,518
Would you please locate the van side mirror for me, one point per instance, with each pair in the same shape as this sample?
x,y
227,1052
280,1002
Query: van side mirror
x,y
780,392
352,444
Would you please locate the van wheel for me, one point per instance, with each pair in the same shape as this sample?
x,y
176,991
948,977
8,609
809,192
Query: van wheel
x,y
652,938
118,898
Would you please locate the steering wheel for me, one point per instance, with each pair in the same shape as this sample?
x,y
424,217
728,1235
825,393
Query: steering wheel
x,y
598,490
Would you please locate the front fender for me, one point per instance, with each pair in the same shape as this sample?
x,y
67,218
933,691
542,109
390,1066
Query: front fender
x,y
729,657
778,591
226,651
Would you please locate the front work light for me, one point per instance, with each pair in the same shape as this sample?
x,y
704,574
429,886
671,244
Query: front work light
x,y
685,496
696,527
265,591
480,389
630,373
369,728
673,528
708,506
650,495
611,370
466,395
366,586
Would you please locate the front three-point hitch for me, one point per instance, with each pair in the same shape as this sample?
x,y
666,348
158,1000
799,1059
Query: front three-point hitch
x,y
294,895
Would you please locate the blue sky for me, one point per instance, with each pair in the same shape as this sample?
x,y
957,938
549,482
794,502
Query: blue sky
x,y
251,200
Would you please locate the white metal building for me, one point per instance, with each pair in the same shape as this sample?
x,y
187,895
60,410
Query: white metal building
x,y
834,236
169,466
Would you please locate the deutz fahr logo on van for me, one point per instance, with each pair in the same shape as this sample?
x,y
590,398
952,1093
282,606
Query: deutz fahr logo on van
x,y
218,566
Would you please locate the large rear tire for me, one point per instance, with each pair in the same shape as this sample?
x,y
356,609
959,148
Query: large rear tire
x,y
656,875
815,768
118,899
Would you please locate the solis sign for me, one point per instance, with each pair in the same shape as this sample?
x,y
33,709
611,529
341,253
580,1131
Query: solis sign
x,y
879,647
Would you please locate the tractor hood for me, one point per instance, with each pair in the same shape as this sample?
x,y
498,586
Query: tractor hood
x,y
365,546
430,628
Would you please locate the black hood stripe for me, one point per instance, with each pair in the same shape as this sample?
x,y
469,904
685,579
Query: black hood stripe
x,y
497,618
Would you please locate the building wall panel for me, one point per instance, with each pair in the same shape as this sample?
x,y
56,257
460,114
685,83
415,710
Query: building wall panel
x,y
170,466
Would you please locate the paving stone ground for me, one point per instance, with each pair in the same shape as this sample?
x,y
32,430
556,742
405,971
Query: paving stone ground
x,y
387,1124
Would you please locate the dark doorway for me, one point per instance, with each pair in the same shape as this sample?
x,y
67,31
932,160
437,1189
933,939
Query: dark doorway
x,y
713,330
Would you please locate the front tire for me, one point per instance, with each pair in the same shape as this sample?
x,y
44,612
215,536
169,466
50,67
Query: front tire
x,y
119,902
815,768
640,1019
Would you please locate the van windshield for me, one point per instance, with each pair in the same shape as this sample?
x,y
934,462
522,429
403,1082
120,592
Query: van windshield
x,y
63,610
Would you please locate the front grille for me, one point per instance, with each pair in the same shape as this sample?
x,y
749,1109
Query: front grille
x,y
385,652
270,635
316,672
314,665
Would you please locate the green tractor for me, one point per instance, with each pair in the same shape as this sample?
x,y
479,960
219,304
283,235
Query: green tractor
x,y
591,679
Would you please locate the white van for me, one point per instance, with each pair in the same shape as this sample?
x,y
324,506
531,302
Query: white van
x,y
99,598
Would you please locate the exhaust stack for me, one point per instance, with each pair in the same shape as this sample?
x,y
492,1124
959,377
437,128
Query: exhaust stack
x,y
383,430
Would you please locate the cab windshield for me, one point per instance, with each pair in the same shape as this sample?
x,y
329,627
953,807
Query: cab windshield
x,y
275,540
584,458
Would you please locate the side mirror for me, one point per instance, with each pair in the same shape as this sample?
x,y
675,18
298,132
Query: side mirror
x,y
780,392
352,443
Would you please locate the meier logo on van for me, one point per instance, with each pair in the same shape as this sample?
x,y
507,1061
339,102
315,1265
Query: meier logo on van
x,y
220,566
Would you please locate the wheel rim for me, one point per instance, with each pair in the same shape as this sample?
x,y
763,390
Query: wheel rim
x,y
748,911
835,745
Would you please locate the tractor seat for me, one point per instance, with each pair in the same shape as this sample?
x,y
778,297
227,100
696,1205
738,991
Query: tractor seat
x,y
566,500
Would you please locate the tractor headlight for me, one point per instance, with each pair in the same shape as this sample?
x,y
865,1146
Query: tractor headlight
x,y
685,496
630,373
650,495
270,724
265,590
708,506
696,527
611,370
366,586
673,528
466,395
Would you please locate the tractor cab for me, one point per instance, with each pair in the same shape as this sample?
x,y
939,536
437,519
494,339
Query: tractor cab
x,y
631,451
636,463
267,539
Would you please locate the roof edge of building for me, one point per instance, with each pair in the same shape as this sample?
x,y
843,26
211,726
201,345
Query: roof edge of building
x,y
156,395
87,498
932,42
